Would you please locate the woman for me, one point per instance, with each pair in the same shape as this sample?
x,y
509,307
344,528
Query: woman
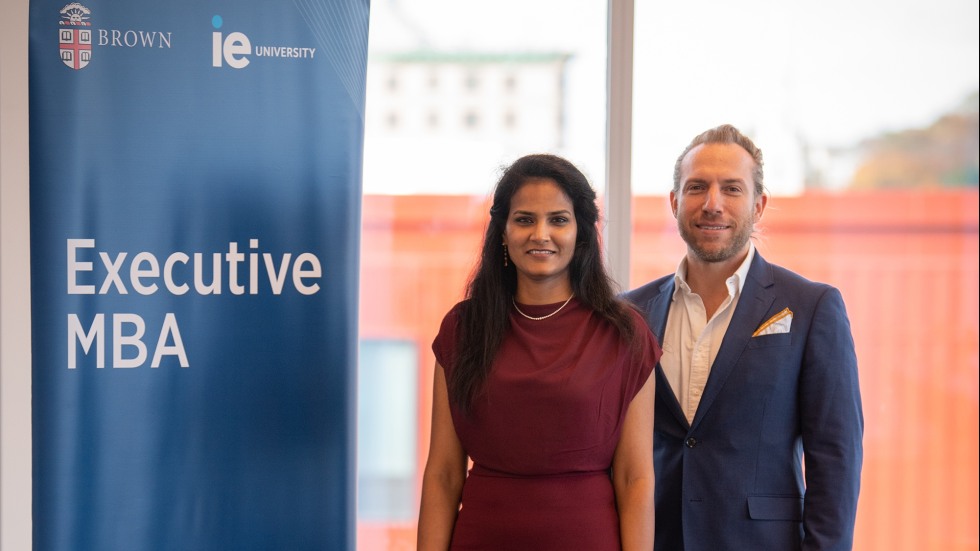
x,y
542,378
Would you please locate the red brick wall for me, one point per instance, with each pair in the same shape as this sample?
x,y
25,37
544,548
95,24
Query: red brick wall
x,y
905,261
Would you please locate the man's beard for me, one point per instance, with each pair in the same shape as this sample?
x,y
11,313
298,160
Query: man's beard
x,y
735,246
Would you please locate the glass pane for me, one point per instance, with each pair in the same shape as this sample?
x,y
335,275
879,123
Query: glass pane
x,y
821,85
457,90
867,114
386,430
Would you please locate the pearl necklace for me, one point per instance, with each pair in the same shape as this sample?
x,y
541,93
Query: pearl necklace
x,y
541,317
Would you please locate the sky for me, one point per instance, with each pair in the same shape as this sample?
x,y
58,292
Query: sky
x,y
825,74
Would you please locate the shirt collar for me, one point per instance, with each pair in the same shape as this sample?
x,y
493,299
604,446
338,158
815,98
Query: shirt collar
x,y
737,279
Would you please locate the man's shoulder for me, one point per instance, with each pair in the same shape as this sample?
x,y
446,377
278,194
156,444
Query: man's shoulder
x,y
788,283
647,291
784,276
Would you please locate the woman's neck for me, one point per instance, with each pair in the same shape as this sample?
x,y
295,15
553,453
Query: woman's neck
x,y
543,292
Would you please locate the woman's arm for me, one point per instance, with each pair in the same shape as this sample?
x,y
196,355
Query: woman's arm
x,y
632,472
445,471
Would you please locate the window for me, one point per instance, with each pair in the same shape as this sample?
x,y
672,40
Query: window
x,y
472,82
425,187
866,112
392,83
386,430
391,121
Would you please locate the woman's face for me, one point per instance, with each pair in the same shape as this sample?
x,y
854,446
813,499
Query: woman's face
x,y
540,232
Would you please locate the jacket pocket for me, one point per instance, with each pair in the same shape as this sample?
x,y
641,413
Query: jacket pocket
x,y
764,341
770,507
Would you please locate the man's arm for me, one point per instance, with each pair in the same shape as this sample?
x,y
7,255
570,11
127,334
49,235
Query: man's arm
x,y
832,426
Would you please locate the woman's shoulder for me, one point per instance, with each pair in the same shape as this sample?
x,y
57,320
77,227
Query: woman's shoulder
x,y
450,321
444,342
457,310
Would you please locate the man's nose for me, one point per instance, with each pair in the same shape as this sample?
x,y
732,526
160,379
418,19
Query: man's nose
x,y
712,200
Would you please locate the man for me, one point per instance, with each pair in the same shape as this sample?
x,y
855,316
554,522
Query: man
x,y
758,375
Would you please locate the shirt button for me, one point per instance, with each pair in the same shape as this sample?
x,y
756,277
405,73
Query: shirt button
x,y
691,442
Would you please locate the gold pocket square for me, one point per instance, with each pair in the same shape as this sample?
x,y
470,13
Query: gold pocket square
x,y
779,323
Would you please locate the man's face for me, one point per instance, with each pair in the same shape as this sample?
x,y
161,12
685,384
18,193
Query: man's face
x,y
716,206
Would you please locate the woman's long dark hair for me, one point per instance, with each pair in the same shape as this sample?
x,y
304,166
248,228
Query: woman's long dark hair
x,y
485,318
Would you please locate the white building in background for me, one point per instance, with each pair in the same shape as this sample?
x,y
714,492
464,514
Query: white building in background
x,y
449,105
434,118
517,98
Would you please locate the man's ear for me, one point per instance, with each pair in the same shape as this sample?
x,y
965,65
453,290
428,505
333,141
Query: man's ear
x,y
760,206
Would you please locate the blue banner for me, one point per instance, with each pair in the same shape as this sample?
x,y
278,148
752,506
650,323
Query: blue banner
x,y
195,212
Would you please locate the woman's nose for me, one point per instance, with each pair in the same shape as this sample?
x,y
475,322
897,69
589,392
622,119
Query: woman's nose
x,y
540,232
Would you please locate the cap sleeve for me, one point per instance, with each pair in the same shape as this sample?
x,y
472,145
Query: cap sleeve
x,y
648,354
444,345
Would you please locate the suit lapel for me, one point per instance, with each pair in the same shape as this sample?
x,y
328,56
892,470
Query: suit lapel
x,y
659,308
754,302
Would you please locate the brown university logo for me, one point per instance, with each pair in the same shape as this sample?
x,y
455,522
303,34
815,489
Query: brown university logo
x,y
75,36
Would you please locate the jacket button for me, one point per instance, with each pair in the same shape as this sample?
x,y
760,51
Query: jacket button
x,y
691,442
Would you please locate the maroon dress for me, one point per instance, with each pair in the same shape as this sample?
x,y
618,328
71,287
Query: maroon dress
x,y
543,431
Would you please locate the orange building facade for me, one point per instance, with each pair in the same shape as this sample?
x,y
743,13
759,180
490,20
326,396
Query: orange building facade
x,y
906,263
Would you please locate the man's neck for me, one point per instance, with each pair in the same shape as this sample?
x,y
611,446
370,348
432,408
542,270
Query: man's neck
x,y
709,280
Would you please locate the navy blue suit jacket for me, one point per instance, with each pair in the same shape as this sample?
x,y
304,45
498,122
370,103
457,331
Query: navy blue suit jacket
x,y
732,479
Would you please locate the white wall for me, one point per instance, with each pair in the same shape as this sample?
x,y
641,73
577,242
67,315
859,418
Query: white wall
x,y
15,327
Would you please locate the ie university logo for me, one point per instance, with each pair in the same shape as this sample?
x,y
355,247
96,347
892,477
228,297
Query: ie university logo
x,y
75,36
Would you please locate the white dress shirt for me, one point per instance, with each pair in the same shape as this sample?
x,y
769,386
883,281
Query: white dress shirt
x,y
691,341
